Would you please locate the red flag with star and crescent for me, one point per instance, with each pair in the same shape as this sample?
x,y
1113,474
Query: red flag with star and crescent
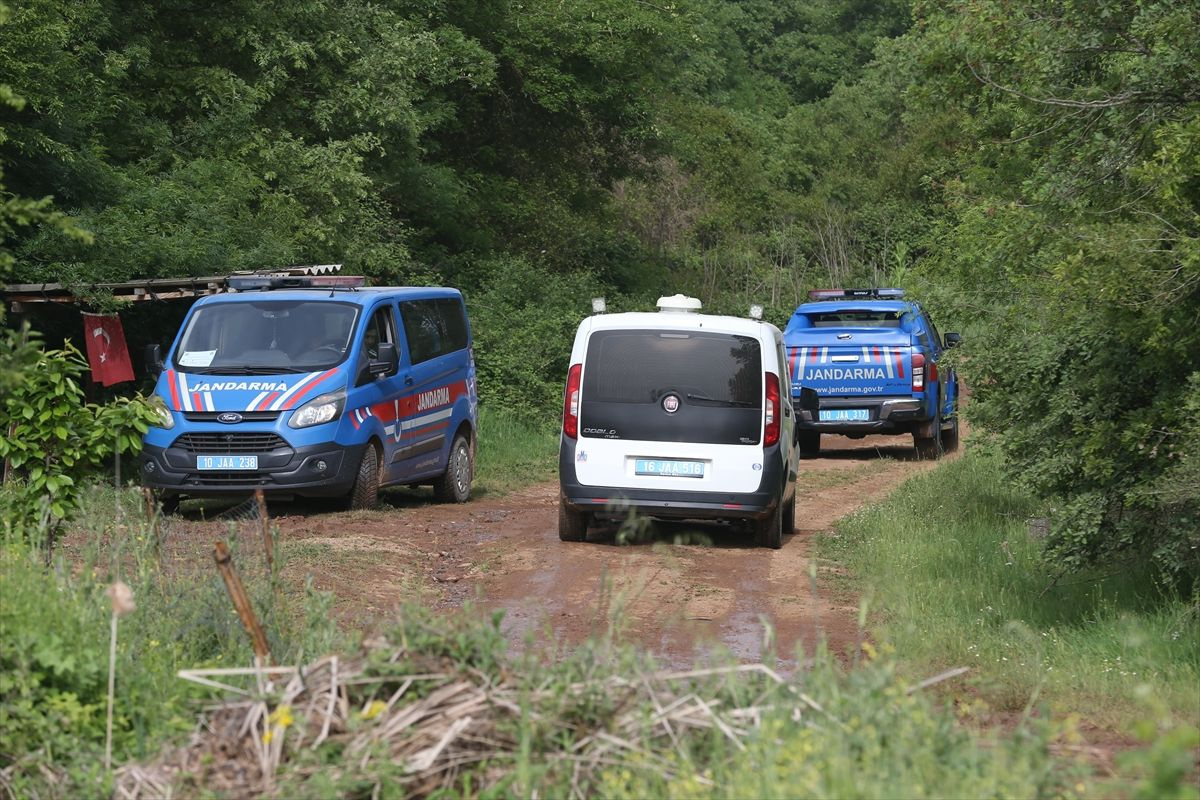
x,y
106,350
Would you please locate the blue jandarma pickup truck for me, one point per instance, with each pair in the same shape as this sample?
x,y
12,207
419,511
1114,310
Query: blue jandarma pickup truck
x,y
873,358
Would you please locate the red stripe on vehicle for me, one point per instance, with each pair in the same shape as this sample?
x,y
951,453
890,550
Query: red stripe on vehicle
x,y
267,401
197,401
174,390
296,397
899,363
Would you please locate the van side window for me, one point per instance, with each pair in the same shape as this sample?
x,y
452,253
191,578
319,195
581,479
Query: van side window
x,y
433,327
380,328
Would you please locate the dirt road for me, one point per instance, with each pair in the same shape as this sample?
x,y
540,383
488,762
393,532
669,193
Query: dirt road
x,y
681,590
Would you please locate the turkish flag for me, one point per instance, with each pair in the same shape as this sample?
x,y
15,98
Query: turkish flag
x,y
106,350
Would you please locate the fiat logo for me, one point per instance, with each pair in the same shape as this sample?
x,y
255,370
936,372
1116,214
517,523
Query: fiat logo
x,y
229,417
670,403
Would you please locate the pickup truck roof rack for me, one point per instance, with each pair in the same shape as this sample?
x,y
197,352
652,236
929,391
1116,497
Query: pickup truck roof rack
x,y
855,294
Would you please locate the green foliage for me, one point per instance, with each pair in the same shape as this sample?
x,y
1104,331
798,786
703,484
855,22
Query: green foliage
x,y
53,439
1075,225
523,324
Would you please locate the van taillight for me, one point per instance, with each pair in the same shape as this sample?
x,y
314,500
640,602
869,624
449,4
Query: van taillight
x,y
772,411
918,372
571,402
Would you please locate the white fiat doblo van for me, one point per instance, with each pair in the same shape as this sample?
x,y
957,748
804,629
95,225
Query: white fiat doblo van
x,y
679,414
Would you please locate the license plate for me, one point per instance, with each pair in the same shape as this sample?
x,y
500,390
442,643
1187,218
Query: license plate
x,y
668,468
844,415
225,463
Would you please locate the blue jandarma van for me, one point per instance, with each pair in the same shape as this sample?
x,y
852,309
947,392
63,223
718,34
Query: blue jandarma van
x,y
316,386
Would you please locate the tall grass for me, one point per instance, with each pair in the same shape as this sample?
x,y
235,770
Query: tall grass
x,y
957,577
54,640
514,451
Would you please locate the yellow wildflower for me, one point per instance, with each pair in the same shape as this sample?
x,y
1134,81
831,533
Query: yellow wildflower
x,y
374,709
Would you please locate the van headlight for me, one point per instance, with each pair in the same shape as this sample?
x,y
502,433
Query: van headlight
x,y
319,410
166,420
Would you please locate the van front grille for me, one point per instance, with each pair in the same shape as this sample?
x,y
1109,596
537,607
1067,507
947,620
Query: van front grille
x,y
230,443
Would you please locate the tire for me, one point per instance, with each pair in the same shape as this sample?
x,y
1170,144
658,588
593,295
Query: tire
x,y
769,532
455,484
168,504
572,525
809,443
950,437
789,517
365,492
930,449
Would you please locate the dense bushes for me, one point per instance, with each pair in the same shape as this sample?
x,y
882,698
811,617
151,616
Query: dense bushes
x,y
51,438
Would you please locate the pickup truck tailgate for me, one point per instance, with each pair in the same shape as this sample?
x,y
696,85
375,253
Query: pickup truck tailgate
x,y
870,365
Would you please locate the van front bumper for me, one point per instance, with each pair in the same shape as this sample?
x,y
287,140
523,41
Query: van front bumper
x,y
323,470
619,501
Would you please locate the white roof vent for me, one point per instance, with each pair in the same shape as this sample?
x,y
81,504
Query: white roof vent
x,y
678,304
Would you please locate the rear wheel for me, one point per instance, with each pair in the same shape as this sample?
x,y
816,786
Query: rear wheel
x,y
930,448
769,532
365,492
572,525
789,516
809,443
950,437
455,484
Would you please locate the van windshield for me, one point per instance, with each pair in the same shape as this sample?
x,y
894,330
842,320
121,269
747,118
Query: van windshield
x,y
716,381
266,337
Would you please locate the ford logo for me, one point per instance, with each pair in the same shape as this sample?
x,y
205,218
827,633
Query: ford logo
x,y
229,417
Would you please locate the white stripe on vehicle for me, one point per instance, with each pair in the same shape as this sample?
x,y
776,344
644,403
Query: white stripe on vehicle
x,y
256,401
824,354
283,398
417,422
887,361
187,396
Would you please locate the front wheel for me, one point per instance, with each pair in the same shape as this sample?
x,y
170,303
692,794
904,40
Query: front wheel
x,y
455,484
365,492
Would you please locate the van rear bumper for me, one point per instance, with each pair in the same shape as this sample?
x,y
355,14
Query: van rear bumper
x,y
298,472
620,500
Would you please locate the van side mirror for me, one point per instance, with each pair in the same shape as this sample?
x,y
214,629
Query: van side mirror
x,y
388,360
809,399
154,360
952,340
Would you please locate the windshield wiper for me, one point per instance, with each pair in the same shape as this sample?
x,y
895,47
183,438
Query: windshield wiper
x,y
242,370
731,403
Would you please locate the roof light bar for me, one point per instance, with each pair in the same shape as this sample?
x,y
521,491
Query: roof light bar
x,y
841,294
258,283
